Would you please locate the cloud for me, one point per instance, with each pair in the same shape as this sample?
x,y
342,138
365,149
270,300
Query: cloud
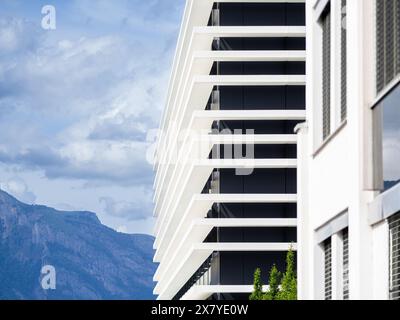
x,y
131,211
18,188
77,103
150,17
66,207
121,163
85,106
122,229
18,36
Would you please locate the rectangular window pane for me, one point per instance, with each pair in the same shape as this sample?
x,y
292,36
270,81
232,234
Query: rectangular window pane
x,y
380,45
387,42
328,269
344,62
346,291
394,238
397,35
326,74
387,117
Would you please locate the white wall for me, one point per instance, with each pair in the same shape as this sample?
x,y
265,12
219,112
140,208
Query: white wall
x,y
381,261
338,173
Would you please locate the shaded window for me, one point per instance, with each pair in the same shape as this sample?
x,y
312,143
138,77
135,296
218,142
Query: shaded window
x,y
284,43
346,289
387,140
328,268
387,42
262,14
343,109
394,238
326,72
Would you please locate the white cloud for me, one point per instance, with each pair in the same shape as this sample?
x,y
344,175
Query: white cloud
x,y
18,188
77,103
17,35
137,210
87,105
122,229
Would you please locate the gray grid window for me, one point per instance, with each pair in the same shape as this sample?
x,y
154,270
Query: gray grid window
x,y
328,269
326,73
394,256
387,42
346,291
343,110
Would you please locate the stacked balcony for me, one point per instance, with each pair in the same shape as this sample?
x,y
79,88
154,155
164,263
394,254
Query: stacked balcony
x,y
238,84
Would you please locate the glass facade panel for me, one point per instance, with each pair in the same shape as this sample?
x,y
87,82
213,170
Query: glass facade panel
x,y
328,269
346,287
388,123
394,236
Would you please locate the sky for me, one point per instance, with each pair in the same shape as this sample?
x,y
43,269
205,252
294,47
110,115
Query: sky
x,y
79,95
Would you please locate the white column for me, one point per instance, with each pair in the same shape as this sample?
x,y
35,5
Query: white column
x,y
304,232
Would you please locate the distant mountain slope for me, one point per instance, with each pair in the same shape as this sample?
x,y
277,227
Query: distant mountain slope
x,y
91,260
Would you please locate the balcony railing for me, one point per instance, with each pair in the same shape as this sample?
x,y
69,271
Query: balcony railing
x,y
203,276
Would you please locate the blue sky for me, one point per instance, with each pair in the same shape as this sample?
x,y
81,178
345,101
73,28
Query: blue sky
x,y
77,103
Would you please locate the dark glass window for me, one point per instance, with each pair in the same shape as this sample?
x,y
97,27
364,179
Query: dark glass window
x,y
260,44
387,42
262,14
394,236
343,109
387,134
328,268
346,288
326,72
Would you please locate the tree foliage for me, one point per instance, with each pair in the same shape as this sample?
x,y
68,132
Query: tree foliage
x,y
280,288
258,286
289,281
274,280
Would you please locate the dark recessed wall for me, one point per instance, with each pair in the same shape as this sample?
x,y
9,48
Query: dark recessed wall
x,y
278,235
237,268
262,14
259,127
260,44
262,97
259,68
253,210
270,181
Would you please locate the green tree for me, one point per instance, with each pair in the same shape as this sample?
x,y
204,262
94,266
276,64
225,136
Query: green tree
x,y
289,282
274,279
258,286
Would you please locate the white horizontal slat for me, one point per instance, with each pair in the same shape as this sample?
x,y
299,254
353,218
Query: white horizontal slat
x,y
202,292
195,230
167,287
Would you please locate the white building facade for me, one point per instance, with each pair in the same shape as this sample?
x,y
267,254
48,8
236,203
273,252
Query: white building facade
x,y
349,152
226,167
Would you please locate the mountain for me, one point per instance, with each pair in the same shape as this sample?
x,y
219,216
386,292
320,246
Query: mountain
x,y
91,261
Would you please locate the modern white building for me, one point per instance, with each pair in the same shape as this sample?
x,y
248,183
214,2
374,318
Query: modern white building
x,y
349,152
252,149
226,167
